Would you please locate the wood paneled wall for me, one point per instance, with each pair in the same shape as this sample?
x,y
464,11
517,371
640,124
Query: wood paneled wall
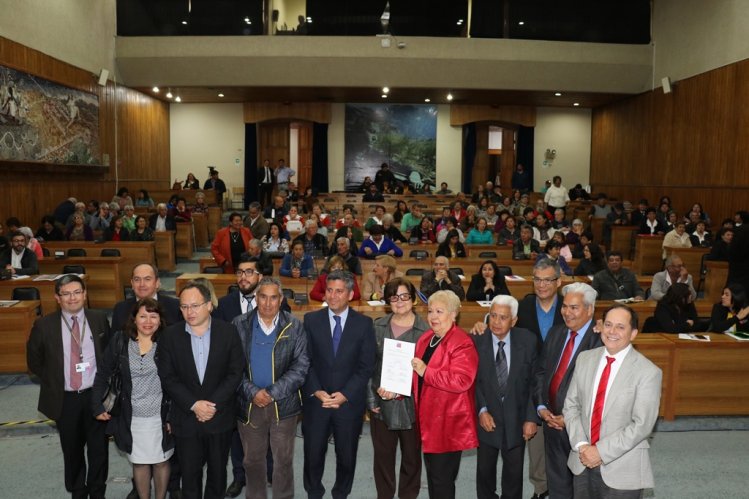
x,y
691,144
133,131
258,112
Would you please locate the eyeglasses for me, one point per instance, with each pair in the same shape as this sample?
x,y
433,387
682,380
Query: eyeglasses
x,y
68,294
545,281
248,272
401,297
194,307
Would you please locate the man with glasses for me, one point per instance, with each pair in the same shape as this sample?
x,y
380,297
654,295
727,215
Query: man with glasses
x,y
64,350
269,397
200,364
18,259
341,346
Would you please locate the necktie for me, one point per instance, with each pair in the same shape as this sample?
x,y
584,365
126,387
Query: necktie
x,y
337,333
76,378
556,380
500,365
595,420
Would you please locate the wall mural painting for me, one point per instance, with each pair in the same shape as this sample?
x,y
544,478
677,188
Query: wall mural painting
x,y
404,136
46,122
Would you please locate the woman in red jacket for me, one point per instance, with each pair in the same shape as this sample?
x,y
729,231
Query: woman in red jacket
x,y
445,369
230,242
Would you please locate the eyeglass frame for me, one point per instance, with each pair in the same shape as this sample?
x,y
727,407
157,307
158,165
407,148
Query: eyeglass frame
x,y
247,272
193,306
400,297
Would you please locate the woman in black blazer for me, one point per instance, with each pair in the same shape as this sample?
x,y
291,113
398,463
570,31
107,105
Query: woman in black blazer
x,y
487,283
675,313
732,313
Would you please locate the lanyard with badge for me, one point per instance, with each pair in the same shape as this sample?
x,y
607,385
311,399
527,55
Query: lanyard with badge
x,y
80,366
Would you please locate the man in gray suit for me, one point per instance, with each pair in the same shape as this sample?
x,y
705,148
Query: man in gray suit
x,y
610,410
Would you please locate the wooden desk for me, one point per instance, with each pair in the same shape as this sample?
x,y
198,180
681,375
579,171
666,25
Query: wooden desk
x,y
709,378
166,256
183,240
214,222
46,291
715,279
163,195
132,252
660,350
200,221
648,254
15,326
104,277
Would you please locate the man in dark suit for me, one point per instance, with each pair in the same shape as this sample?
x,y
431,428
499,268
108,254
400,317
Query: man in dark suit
x,y
161,220
265,182
18,258
200,364
553,376
255,221
507,417
441,278
264,261
64,349
145,282
341,348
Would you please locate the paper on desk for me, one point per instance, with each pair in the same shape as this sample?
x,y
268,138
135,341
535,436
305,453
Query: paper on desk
x,y
375,303
484,303
514,278
19,277
397,374
695,337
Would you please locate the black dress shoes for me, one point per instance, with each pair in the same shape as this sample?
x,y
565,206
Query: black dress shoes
x,y
234,489
540,496
175,494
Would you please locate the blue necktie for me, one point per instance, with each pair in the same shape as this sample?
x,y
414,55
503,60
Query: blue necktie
x,y
337,333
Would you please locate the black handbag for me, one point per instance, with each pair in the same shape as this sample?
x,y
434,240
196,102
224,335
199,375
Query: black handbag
x,y
111,399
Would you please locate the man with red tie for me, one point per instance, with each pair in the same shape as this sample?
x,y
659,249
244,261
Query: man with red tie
x,y
611,408
557,363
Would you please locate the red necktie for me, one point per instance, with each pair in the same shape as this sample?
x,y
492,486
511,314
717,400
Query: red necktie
x,y
564,362
595,420
76,378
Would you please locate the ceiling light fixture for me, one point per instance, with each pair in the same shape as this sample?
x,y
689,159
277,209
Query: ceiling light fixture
x,y
460,22
155,90
247,20
178,99
521,23
449,96
384,96
309,20
221,95
558,94
385,90
576,104
184,22
427,100
169,94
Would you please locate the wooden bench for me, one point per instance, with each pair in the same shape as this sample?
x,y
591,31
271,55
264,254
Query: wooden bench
x,y
46,291
648,254
692,258
166,254
163,195
184,243
716,277
200,224
621,239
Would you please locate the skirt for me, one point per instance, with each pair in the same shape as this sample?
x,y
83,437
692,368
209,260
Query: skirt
x,y
147,436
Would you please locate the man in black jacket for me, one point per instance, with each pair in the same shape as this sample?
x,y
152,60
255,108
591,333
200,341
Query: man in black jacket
x,y
161,221
269,397
202,389
145,282
18,258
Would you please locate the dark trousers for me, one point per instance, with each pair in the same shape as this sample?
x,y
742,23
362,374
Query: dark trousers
x,y
385,443
196,450
78,429
175,474
589,485
558,475
512,472
317,426
237,459
442,471
265,193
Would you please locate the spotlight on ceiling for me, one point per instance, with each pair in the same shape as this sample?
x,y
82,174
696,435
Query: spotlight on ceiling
x,y
384,96
221,95
155,90
169,94
427,100
449,96
178,99
576,104
385,90
184,22
558,94
521,23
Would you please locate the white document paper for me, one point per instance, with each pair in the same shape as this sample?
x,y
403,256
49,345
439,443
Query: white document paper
x,y
397,373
